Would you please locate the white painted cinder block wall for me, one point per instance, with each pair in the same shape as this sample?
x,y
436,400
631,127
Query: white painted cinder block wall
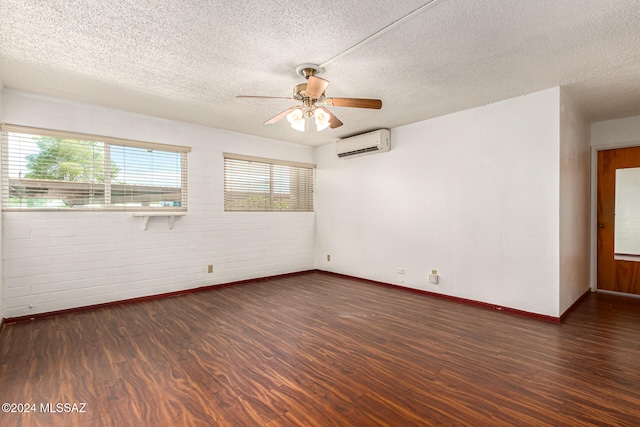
x,y
474,195
60,260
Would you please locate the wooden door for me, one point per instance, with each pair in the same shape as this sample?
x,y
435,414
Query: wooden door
x,y
613,275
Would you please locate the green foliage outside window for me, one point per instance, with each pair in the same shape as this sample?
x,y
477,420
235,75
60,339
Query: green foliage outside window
x,y
64,159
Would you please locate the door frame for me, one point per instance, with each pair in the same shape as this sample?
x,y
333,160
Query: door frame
x,y
594,204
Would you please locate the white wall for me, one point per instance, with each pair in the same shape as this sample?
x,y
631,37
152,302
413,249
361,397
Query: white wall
x,y
1,226
575,205
484,196
474,195
59,260
616,133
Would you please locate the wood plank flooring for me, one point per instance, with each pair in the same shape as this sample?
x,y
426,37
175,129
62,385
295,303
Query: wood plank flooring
x,y
322,350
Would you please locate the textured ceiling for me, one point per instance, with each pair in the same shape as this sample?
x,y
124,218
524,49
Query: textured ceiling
x,y
187,60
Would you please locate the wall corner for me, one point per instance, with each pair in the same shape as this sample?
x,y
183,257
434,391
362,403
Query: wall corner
x,y
575,202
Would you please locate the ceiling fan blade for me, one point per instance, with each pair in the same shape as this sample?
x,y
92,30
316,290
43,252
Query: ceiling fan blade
x,y
354,102
315,87
279,116
266,97
334,122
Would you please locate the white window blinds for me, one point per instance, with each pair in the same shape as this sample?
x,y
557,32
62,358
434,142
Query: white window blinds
x,y
258,184
48,169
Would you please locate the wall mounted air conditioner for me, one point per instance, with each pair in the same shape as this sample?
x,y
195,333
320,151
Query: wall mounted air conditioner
x,y
366,143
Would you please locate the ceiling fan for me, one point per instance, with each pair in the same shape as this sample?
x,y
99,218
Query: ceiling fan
x,y
314,103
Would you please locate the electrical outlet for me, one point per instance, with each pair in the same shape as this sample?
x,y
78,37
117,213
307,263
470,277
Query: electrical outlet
x,y
400,270
210,269
433,277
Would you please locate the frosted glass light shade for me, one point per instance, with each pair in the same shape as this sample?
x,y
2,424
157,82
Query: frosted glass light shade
x,y
296,118
322,119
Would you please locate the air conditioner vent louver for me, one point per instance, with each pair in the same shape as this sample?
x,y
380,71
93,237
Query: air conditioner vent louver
x,y
361,151
366,143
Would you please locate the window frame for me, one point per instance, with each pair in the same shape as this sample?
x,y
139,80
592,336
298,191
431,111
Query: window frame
x,y
108,141
307,195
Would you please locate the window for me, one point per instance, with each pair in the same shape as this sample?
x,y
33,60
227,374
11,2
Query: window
x,y
47,169
257,184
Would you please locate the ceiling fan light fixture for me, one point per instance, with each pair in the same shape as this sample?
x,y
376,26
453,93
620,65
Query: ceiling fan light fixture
x,y
311,93
296,119
322,119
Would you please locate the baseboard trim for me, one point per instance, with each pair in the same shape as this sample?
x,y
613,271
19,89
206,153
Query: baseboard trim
x,y
148,298
508,310
575,303
481,304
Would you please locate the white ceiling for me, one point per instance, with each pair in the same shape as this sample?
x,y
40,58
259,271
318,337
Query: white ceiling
x,y
187,60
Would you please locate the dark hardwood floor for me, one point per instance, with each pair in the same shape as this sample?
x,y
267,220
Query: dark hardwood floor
x,y
321,350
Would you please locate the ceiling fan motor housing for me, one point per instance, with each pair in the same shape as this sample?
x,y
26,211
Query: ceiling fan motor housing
x,y
298,91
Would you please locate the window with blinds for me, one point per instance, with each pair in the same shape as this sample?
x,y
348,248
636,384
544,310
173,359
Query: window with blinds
x,y
258,184
48,169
